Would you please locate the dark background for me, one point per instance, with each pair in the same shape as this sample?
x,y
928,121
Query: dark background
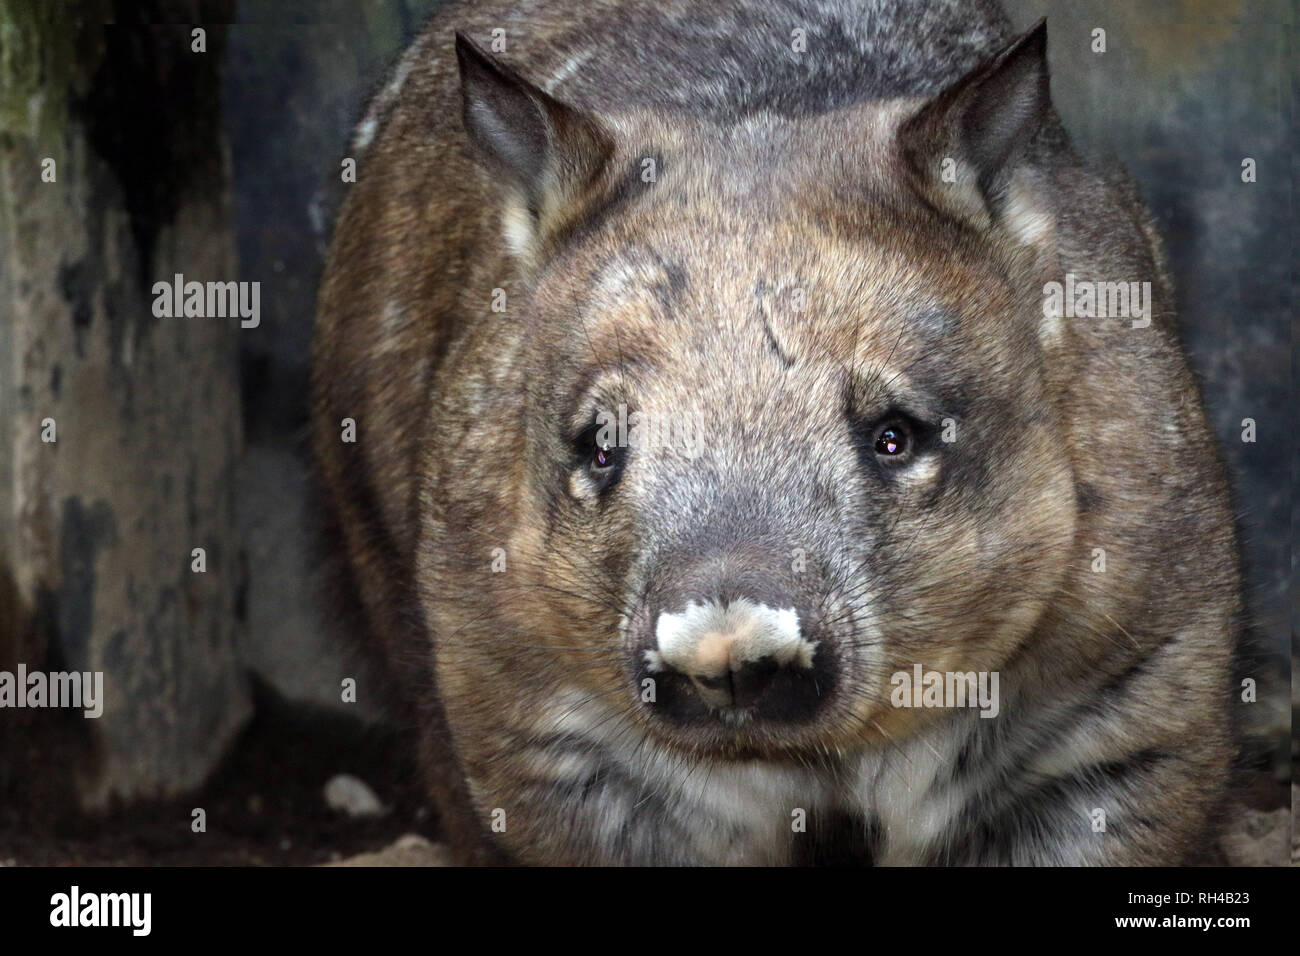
x,y
226,165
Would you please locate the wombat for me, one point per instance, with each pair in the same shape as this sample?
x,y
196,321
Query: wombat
x,y
757,437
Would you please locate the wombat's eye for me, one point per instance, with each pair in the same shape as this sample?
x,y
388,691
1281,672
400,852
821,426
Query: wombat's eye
x,y
893,440
597,458
604,465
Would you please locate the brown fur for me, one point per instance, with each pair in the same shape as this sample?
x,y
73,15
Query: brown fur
x,y
677,296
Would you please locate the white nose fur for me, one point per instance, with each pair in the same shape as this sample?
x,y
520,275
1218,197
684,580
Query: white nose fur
x,y
711,639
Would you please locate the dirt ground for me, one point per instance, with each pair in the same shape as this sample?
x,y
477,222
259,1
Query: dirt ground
x,y
266,806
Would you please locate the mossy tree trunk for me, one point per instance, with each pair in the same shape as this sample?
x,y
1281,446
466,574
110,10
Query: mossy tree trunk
x,y
98,528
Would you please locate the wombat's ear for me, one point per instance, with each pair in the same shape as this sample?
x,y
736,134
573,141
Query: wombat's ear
x,y
965,144
546,152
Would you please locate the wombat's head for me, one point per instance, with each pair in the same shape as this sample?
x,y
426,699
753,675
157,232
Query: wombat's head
x,y
789,427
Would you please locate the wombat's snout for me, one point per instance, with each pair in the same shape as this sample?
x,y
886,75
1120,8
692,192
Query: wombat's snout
x,y
732,650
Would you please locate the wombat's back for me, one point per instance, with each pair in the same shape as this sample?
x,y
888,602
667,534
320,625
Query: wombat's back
x,y
722,60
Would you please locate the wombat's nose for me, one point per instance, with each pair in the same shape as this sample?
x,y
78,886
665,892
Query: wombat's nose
x,y
736,687
737,655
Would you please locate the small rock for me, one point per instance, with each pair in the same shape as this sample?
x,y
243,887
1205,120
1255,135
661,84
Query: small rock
x,y
410,850
352,796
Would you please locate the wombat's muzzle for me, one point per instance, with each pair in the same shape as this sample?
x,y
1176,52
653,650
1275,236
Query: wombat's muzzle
x,y
730,642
